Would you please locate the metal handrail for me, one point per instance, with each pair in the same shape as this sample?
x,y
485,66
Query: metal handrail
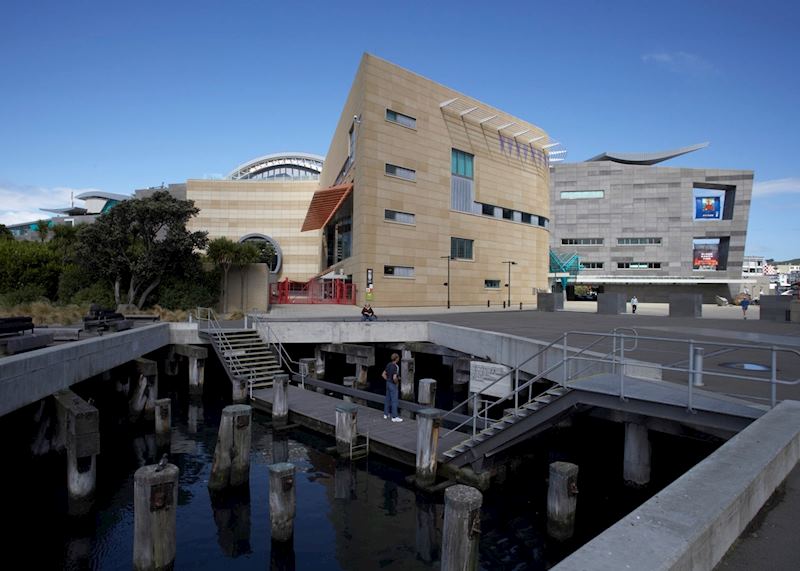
x,y
619,345
285,360
238,368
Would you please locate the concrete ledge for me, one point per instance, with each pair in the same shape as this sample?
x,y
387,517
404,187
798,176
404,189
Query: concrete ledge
x,y
184,333
346,331
21,343
692,523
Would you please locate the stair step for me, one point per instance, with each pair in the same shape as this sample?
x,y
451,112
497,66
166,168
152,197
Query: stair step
x,y
450,454
557,391
544,399
532,406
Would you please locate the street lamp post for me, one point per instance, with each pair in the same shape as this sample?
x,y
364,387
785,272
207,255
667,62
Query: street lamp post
x,y
447,283
508,285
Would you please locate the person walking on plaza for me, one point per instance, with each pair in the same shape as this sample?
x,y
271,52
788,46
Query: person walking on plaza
x,y
392,376
634,303
745,305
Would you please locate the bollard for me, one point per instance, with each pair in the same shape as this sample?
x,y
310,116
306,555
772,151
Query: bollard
x,y
427,392
155,501
282,501
346,428
280,404
697,375
163,420
239,389
562,500
428,423
231,466
636,463
520,306
462,528
504,304
488,303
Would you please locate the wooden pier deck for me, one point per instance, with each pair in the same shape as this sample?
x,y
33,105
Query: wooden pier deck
x,y
396,440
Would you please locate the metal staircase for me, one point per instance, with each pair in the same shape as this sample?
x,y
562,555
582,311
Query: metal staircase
x,y
243,352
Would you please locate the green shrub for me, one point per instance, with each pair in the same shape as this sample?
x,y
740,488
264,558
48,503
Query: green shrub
x,y
98,292
200,289
25,294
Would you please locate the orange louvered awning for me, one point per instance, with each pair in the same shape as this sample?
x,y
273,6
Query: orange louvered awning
x,y
324,205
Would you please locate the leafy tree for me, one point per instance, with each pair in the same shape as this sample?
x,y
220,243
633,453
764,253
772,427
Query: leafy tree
x,y
64,242
138,242
43,229
224,253
5,233
28,266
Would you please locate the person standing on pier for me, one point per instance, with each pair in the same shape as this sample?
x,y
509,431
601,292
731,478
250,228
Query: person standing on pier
x,y
392,376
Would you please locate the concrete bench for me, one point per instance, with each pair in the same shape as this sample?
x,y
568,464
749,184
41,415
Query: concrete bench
x,y
9,325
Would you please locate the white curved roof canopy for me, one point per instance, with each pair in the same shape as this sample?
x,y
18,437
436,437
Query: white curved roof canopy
x,y
252,168
646,158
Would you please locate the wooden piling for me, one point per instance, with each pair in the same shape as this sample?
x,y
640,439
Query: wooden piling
x,y
197,367
562,500
428,423
148,376
239,389
280,403
462,525
346,428
427,392
231,465
155,500
282,501
407,376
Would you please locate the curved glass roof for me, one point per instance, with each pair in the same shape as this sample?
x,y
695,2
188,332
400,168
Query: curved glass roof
x,y
280,166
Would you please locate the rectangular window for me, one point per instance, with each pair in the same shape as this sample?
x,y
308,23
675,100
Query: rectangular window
x,y
581,194
487,210
404,173
462,193
399,271
638,241
581,241
592,265
508,214
461,248
397,216
400,119
461,163
638,265
526,218
491,284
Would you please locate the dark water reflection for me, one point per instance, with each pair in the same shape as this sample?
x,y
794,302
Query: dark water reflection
x,y
349,516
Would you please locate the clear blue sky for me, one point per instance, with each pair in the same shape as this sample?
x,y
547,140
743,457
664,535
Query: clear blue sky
x,y
122,95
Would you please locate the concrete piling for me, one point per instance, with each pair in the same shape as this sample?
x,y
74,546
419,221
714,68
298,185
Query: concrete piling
x,y
350,383
636,463
427,392
171,363
562,500
428,423
319,363
239,393
197,358
407,376
361,374
280,404
282,501
308,369
462,528
147,389
155,499
346,428
80,421
163,421
231,466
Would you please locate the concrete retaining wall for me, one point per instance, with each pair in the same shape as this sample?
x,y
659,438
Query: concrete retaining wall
x,y
692,523
185,334
29,377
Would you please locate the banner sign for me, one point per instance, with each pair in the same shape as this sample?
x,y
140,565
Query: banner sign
x,y
482,374
706,208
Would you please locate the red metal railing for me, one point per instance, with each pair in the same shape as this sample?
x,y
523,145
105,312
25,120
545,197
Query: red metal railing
x,y
314,291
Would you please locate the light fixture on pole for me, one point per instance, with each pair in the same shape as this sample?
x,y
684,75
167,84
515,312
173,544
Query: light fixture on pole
x,y
508,285
447,283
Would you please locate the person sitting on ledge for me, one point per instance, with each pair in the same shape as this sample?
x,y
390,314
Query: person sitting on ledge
x,y
367,314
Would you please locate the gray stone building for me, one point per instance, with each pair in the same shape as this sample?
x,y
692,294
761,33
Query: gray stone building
x,y
651,230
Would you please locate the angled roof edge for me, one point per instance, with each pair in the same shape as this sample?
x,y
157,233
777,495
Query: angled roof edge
x,y
646,158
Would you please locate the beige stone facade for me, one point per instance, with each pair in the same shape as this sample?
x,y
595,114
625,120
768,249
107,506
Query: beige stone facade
x,y
510,180
237,208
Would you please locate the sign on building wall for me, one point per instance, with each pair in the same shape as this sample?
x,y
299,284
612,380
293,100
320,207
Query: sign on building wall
x,y
482,374
706,257
707,208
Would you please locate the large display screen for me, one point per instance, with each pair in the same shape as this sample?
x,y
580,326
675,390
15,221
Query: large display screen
x,y
705,256
707,208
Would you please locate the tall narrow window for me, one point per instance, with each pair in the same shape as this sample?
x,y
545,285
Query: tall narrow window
x,y
461,181
351,148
